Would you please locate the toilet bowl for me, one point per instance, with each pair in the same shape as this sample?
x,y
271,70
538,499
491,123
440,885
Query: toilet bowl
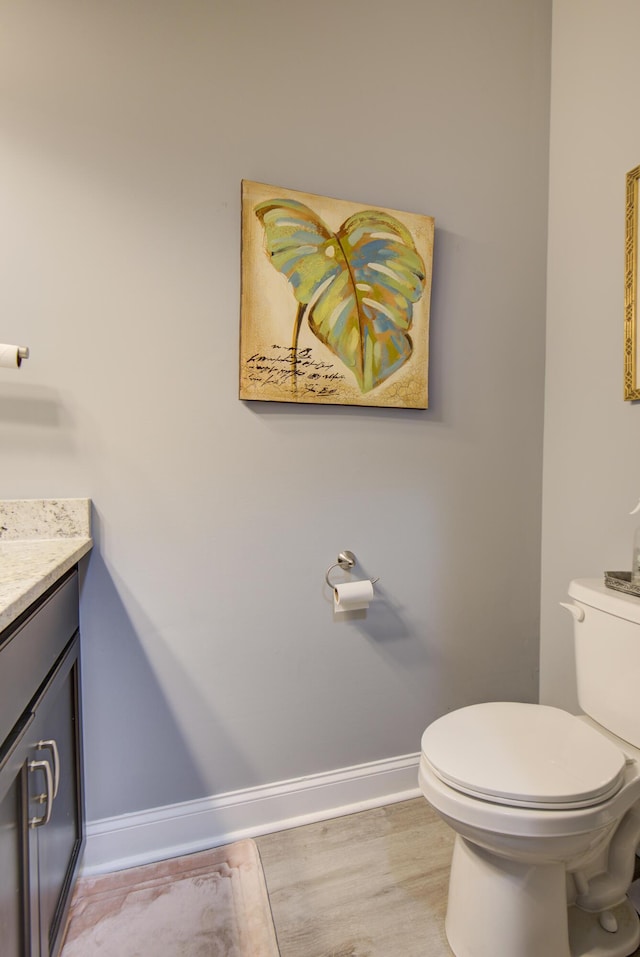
x,y
546,810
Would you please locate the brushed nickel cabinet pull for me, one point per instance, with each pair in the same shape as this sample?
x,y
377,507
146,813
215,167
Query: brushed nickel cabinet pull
x,y
46,797
51,745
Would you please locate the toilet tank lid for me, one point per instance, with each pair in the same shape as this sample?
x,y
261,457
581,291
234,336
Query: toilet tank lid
x,y
593,592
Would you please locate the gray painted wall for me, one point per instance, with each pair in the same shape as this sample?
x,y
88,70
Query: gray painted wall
x,y
211,658
591,450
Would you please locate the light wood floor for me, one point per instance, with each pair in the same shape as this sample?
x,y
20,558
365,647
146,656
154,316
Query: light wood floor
x,y
372,884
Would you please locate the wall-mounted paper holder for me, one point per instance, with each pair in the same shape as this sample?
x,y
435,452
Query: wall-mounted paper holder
x,y
346,560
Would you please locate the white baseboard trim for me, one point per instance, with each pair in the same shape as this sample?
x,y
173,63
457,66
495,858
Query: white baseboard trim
x,y
146,836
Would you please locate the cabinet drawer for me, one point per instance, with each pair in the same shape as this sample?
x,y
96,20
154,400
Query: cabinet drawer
x,y
29,650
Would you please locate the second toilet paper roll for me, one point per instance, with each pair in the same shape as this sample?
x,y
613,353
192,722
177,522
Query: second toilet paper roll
x,y
352,596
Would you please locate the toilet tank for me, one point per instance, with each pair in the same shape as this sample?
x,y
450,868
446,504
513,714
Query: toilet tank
x,y
607,650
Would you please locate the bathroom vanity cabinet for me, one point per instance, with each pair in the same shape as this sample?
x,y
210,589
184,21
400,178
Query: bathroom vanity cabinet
x,y
41,800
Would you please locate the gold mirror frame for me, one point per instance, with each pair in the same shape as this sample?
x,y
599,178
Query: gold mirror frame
x,y
631,390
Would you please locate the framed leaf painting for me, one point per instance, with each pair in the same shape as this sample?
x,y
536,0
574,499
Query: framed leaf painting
x,y
335,301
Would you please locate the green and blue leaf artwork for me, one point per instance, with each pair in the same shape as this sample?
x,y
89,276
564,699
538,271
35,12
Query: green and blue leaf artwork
x,y
340,314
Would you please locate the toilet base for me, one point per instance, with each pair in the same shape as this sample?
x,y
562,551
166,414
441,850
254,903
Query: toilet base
x,y
588,939
503,908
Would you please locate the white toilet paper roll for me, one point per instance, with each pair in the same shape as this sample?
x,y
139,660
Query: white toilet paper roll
x,y
9,358
352,596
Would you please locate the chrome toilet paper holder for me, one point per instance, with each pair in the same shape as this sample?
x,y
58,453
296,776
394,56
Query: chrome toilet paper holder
x,y
346,560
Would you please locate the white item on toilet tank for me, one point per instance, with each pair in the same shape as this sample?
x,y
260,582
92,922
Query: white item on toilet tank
x,y
607,652
635,555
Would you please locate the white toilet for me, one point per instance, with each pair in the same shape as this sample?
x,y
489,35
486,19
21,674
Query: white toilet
x,y
546,805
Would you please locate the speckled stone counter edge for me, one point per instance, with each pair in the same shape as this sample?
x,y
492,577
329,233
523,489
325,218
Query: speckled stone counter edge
x,y
45,518
40,540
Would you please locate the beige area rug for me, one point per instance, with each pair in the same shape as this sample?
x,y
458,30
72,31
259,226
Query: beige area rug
x,y
210,904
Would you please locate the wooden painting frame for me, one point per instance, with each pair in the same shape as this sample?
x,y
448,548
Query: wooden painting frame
x,y
631,359
335,301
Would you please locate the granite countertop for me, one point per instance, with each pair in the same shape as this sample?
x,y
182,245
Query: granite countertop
x,y
40,539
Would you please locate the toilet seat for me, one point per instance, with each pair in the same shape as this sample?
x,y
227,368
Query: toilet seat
x,y
523,755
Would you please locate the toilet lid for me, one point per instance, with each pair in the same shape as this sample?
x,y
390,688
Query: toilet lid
x,y
525,755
